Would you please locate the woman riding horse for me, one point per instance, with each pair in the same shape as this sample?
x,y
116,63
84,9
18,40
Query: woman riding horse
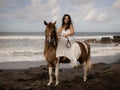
x,y
55,48
66,32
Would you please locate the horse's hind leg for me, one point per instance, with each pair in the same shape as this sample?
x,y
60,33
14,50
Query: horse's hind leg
x,y
89,64
57,72
85,71
86,67
50,76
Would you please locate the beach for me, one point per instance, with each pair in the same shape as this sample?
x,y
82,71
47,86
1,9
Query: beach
x,y
23,66
101,77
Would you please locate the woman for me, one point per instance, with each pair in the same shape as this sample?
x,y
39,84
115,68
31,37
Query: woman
x,y
67,28
67,32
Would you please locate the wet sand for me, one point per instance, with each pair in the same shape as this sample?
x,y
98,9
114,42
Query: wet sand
x,y
28,64
101,77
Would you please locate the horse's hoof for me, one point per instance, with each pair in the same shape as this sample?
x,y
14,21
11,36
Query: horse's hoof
x,y
49,84
56,83
85,79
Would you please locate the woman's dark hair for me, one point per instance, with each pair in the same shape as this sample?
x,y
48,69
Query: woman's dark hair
x,y
69,22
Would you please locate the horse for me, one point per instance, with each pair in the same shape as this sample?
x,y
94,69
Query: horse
x,y
50,46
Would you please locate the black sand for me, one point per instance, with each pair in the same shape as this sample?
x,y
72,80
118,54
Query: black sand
x,y
101,77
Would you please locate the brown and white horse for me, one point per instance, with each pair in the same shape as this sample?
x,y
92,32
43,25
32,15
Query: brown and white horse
x,y
51,42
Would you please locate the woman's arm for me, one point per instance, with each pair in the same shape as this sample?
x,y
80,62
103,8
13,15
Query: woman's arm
x,y
71,31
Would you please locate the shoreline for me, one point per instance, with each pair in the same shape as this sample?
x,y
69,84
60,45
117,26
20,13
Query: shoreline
x,y
29,64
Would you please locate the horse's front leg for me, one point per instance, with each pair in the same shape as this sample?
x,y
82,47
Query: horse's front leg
x,y
50,76
57,72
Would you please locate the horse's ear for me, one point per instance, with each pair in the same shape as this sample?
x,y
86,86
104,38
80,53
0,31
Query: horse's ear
x,y
54,23
45,22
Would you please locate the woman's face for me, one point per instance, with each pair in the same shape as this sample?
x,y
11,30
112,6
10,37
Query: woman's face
x,y
66,20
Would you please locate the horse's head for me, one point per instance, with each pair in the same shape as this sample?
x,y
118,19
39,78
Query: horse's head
x,y
50,34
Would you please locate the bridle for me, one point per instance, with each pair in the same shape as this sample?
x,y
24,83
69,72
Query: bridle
x,y
68,44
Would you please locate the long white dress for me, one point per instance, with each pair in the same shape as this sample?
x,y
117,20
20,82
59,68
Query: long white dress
x,y
71,53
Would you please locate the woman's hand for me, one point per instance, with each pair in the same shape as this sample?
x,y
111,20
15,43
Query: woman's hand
x,y
64,35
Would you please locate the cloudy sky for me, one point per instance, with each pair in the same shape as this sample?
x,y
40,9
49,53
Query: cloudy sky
x,y
87,15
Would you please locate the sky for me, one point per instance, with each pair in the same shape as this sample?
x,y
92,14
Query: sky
x,y
87,15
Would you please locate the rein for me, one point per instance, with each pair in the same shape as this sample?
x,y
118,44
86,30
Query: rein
x,y
68,45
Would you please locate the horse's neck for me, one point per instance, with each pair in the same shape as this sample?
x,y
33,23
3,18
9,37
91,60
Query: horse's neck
x,y
48,47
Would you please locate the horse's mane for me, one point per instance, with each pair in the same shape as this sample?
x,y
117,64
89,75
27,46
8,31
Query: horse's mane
x,y
54,35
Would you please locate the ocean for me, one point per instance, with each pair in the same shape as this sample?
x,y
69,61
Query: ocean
x,y
29,46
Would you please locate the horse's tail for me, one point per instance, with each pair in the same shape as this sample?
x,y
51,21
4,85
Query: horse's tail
x,y
88,61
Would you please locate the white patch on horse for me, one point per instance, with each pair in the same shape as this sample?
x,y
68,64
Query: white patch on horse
x,y
57,72
85,71
86,47
49,36
50,75
77,50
